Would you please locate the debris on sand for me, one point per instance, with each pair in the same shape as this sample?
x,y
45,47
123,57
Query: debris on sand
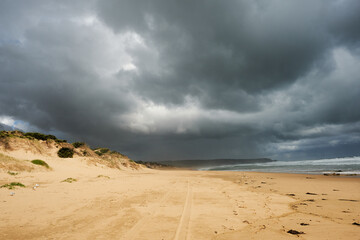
x,y
294,232
348,200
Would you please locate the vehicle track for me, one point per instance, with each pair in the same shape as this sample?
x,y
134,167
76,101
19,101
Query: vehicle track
x,y
182,231
134,231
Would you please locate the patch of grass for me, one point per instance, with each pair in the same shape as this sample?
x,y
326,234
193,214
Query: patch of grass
x,y
103,176
104,150
78,144
12,173
65,152
12,185
69,180
40,162
99,153
39,136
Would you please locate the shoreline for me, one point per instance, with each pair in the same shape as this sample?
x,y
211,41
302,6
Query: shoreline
x,y
328,174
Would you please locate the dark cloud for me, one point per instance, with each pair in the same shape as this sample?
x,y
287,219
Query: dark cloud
x,y
186,79
224,46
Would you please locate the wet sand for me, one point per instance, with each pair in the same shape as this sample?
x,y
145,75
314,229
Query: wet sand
x,y
106,203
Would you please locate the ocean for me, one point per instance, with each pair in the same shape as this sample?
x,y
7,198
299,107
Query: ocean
x,y
346,166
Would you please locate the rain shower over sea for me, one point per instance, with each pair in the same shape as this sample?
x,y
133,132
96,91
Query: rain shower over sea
x,y
342,166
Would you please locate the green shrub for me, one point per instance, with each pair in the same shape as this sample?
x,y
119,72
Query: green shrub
x,y
99,153
104,150
3,134
40,162
65,152
12,185
40,136
78,144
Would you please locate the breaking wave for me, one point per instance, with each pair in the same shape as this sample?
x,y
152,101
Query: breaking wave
x,y
348,165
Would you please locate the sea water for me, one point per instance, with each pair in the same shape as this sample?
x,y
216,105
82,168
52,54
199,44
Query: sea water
x,y
350,165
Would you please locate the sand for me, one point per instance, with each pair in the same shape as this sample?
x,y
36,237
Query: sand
x,y
107,203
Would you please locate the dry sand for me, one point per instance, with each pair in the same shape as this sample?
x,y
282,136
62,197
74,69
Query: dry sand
x,y
108,203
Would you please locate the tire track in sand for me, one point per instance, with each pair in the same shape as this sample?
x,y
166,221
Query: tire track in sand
x,y
134,231
182,232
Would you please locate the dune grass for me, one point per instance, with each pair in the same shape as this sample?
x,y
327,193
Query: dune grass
x,y
12,173
78,144
12,164
12,185
103,176
69,180
40,162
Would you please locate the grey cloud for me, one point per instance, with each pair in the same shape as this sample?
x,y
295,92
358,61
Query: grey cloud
x,y
224,45
212,78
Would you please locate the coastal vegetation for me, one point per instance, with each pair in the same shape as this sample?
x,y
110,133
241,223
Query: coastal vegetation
x,y
103,176
101,151
69,180
12,185
31,136
40,145
40,162
40,136
78,144
65,152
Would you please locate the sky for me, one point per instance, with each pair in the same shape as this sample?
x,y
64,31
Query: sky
x,y
167,79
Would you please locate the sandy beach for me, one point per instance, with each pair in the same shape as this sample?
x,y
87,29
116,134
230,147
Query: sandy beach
x,y
105,203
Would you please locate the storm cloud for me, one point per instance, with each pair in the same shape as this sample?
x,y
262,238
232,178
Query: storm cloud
x,y
162,79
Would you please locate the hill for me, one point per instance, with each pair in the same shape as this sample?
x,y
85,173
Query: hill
x,y
17,149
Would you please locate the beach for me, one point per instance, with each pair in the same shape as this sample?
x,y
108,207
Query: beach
x,y
105,203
